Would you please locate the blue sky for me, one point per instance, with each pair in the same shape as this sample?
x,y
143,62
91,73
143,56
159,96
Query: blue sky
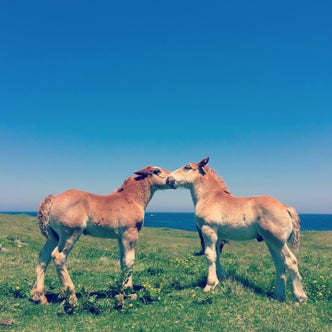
x,y
91,91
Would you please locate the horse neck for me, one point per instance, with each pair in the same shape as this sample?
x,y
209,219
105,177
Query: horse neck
x,y
206,186
139,190
194,195
197,191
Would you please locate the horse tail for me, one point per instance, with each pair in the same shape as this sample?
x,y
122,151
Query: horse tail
x,y
44,215
294,239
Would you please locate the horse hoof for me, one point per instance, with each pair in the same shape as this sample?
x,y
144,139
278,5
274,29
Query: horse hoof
x,y
206,289
302,299
42,300
210,287
128,286
38,297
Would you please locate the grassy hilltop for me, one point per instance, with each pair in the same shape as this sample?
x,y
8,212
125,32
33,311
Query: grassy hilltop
x,y
168,280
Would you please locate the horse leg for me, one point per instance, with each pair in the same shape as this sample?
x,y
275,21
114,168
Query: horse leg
x,y
38,291
201,252
283,258
281,278
221,245
291,263
127,245
60,255
220,271
211,239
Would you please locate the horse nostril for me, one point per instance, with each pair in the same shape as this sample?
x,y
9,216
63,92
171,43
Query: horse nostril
x,y
170,181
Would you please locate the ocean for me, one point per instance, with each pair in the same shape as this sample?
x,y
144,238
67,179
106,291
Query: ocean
x,y
186,220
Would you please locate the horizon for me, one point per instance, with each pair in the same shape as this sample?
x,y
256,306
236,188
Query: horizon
x,y
92,92
151,212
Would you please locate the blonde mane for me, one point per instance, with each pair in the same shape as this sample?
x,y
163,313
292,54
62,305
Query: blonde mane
x,y
125,185
221,182
133,188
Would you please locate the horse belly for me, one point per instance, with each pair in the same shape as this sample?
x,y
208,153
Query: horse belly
x,y
99,231
238,232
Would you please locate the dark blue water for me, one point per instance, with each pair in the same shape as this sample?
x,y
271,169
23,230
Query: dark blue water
x,y
186,220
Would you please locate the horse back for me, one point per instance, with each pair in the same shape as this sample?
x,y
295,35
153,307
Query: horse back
x,y
75,208
244,217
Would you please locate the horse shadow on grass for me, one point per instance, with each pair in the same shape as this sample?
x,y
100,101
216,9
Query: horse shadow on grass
x,y
56,298
115,290
246,283
99,294
52,298
232,275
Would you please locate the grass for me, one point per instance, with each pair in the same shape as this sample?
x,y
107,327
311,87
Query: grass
x,y
168,280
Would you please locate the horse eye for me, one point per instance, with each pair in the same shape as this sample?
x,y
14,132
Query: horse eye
x,y
156,171
187,168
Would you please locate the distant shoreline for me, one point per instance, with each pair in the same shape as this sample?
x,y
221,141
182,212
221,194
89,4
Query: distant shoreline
x,y
34,213
185,220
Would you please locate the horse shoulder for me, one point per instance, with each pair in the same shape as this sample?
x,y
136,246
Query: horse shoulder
x,y
132,214
115,210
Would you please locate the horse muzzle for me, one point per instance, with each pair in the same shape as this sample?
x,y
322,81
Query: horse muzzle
x,y
170,181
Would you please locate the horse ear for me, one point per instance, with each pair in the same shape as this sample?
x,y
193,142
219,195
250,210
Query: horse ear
x,y
203,162
143,172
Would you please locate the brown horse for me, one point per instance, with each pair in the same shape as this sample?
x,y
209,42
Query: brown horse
x,y
64,218
201,238
222,216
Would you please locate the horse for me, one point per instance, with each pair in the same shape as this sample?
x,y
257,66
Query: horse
x,y
65,217
201,238
221,216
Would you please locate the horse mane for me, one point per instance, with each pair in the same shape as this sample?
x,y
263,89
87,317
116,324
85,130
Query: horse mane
x,y
129,183
213,173
125,185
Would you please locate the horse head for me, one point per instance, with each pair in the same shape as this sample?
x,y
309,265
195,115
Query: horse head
x,y
155,175
188,174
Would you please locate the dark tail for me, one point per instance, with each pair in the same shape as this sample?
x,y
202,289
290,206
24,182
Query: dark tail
x,y
294,239
44,215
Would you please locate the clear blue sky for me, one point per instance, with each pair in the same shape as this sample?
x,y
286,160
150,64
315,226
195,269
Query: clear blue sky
x,y
91,91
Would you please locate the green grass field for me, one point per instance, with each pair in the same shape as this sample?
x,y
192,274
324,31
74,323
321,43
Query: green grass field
x,y
168,280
